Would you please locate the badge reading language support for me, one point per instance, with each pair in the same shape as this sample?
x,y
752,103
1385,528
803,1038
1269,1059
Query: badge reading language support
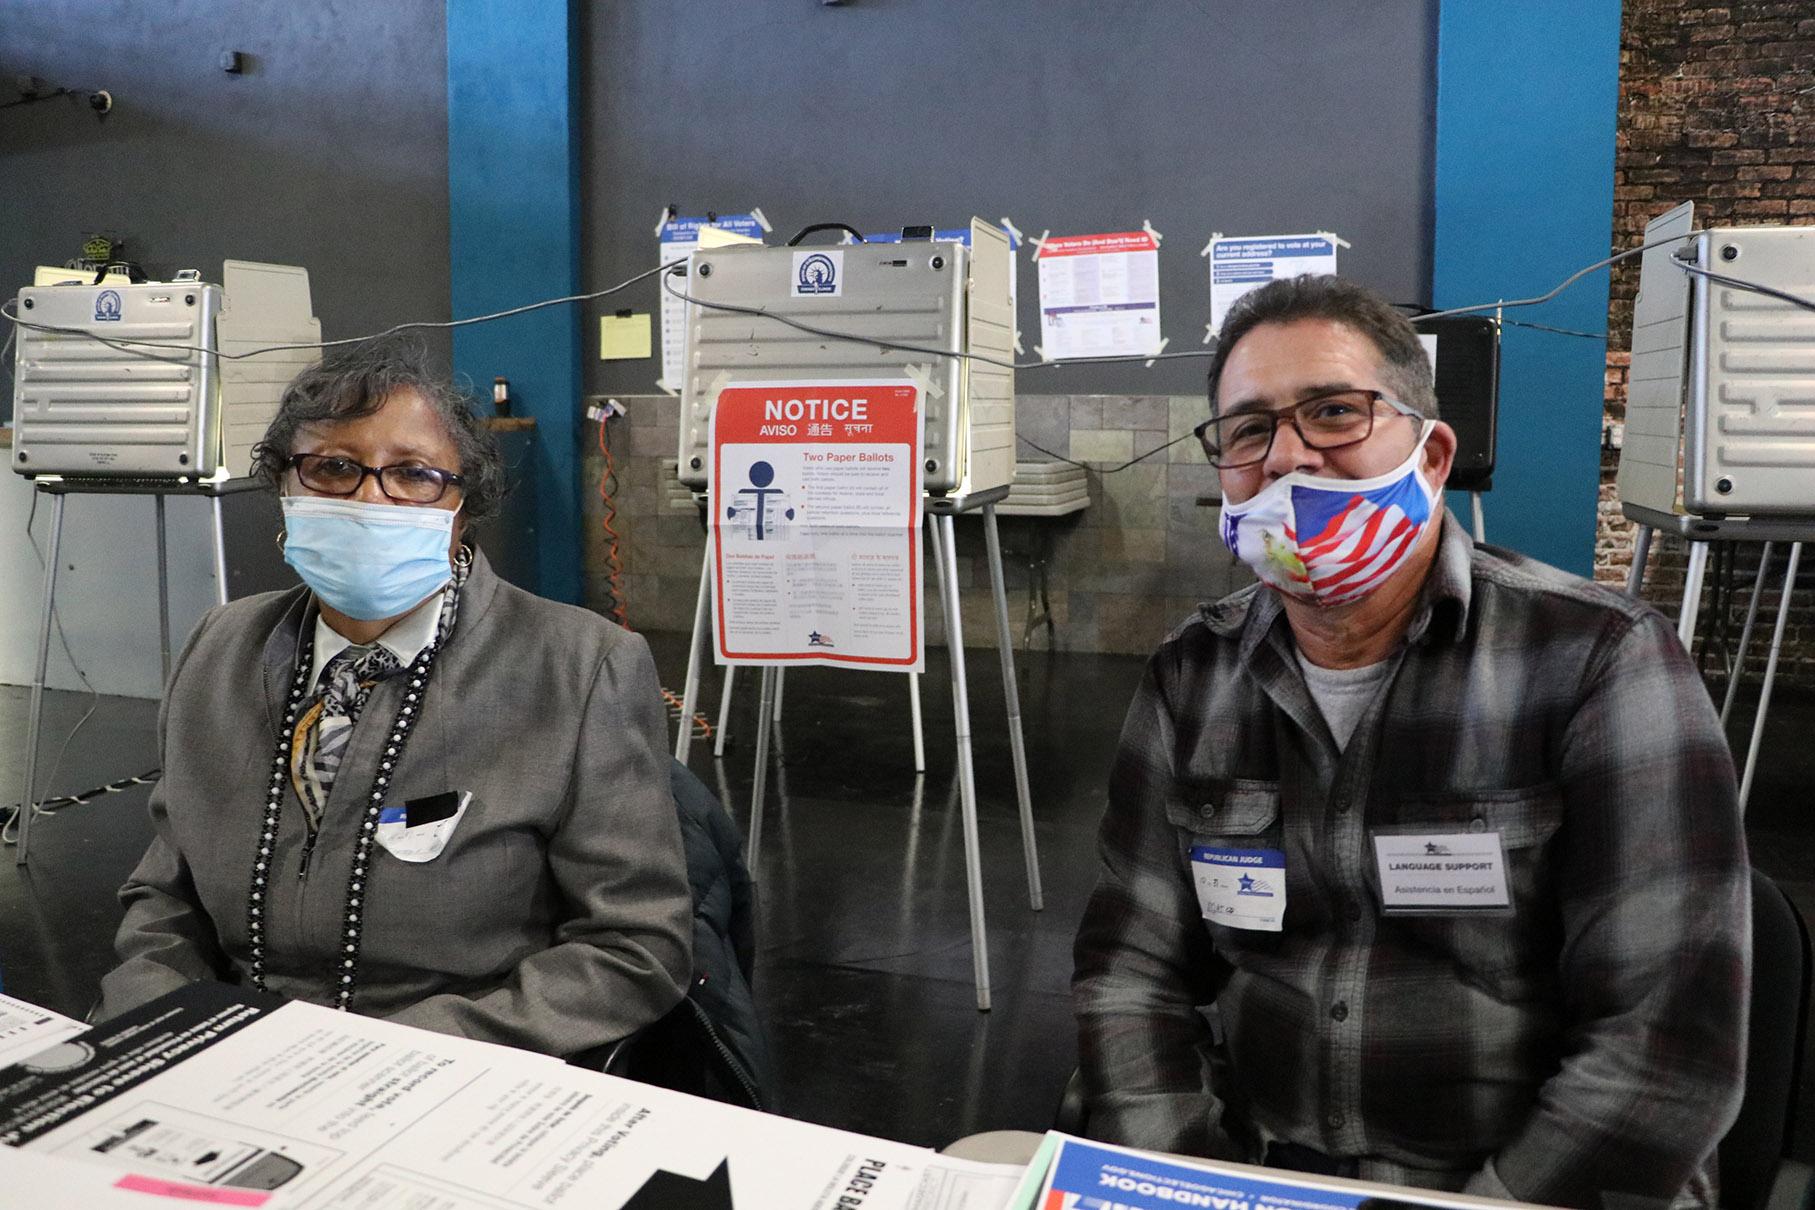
x,y
1432,873
1241,888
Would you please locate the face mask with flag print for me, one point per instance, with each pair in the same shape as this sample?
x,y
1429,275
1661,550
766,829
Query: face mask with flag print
x,y
1332,541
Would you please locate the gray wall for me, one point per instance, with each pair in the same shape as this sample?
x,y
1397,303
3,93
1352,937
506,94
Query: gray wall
x,y
1247,117
329,152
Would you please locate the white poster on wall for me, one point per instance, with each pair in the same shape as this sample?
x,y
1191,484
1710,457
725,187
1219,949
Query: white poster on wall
x,y
1100,295
1242,263
678,239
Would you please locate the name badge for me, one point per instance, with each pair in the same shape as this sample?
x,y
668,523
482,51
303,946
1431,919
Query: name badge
x,y
1430,873
419,829
1241,888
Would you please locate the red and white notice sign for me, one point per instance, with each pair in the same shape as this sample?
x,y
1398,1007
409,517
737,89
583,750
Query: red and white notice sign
x,y
1099,295
815,501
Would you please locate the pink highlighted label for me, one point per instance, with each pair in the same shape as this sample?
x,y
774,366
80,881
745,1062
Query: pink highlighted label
x,y
205,1195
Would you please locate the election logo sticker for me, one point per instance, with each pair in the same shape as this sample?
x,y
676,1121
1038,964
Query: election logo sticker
x,y
818,274
107,306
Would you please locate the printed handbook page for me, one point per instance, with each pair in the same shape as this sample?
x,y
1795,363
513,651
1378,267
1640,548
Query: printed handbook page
x,y
220,1099
815,502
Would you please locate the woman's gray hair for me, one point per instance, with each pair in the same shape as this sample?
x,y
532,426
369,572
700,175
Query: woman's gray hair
x,y
1405,367
354,382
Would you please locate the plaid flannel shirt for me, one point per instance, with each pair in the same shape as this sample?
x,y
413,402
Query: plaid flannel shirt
x,y
1591,1041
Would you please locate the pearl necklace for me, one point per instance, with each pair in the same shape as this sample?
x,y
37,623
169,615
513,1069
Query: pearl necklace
x,y
407,714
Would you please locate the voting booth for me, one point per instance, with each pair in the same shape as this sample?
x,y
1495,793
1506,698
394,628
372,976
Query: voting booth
x,y
836,399
149,388
1715,446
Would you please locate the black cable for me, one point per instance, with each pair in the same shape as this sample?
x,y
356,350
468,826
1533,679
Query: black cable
x,y
1563,285
51,806
928,350
1109,470
1736,283
1519,323
137,347
34,98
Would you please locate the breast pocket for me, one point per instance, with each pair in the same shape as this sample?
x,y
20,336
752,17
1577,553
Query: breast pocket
x,y
1513,955
467,909
1239,813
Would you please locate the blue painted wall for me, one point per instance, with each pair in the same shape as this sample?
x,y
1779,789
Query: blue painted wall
x,y
514,238
1527,98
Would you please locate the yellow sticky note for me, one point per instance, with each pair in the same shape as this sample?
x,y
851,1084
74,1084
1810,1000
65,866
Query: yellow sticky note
x,y
624,337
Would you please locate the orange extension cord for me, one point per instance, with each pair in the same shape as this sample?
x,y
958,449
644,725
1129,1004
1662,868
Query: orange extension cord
x,y
614,562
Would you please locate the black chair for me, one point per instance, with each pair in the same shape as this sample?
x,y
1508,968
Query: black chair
x,y
1756,1171
1073,1114
683,1051
712,1044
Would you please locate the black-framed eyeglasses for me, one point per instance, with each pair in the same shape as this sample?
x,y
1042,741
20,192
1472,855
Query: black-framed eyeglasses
x,y
332,475
1323,422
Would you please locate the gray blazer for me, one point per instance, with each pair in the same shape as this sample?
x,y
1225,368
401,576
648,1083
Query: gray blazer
x,y
557,918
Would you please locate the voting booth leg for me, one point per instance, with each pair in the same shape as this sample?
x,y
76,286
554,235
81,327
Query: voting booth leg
x,y
759,790
1734,674
919,732
1006,647
692,688
1764,692
28,799
780,680
1641,547
163,595
220,552
1480,518
724,711
945,549
1692,593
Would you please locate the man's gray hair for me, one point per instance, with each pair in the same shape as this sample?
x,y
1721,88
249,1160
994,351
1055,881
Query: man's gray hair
x,y
356,381
1405,368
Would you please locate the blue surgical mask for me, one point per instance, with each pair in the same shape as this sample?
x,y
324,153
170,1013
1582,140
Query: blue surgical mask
x,y
369,561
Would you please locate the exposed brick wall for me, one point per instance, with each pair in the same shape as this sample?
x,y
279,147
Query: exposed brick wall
x,y
1717,106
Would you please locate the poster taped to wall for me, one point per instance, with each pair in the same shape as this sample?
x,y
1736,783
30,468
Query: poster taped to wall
x,y
679,238
1100,296
1242,263
815,504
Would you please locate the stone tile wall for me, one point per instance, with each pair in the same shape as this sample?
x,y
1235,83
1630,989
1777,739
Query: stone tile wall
x,y
1121,573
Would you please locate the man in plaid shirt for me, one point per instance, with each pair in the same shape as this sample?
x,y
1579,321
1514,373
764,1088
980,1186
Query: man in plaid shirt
x,y
1422,861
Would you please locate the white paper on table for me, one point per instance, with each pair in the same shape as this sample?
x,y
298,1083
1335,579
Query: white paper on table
x,y
338,1111
1242,263
26,1029
46,1182
679,239
1100,296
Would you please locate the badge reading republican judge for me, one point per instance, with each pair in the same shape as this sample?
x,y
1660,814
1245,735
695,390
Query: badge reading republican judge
x,y
1241,888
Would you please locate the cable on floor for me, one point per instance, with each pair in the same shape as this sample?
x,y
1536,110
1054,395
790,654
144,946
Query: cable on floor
x,y
50,806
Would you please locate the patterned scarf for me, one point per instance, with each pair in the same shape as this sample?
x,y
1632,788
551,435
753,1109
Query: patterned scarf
x,y
326,726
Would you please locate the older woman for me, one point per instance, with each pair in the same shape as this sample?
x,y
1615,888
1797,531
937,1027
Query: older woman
x,y
409,789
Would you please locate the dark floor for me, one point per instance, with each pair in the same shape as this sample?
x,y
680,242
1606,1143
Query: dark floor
x,y
865,973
